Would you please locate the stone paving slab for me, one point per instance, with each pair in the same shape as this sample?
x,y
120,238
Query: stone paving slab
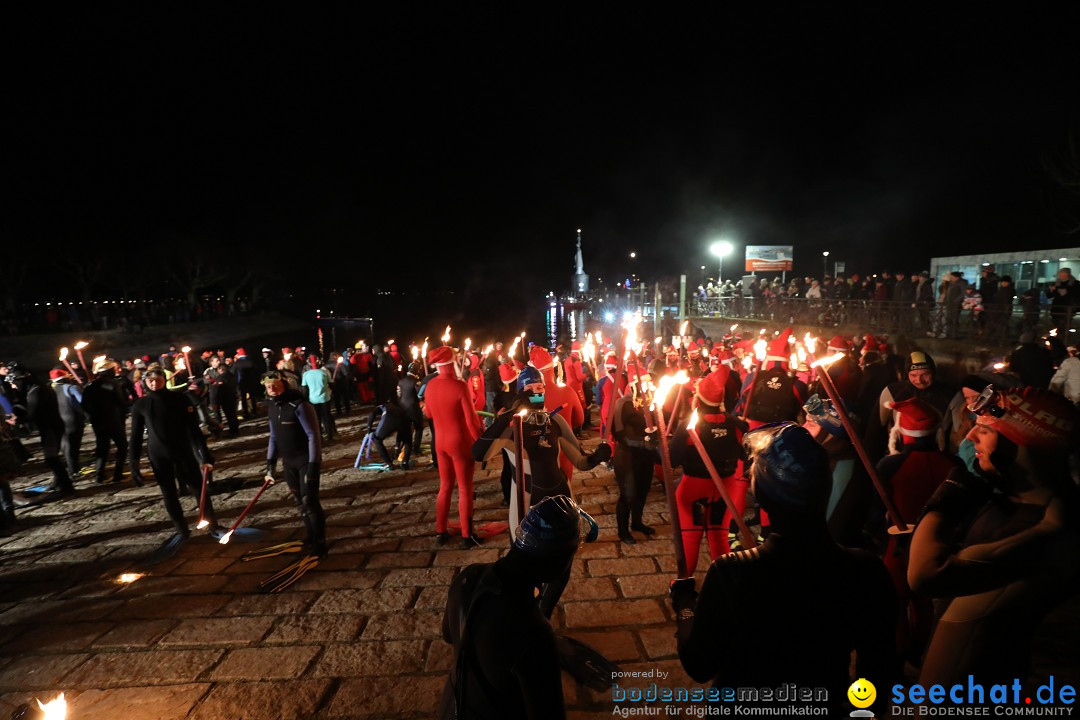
x,y
358,637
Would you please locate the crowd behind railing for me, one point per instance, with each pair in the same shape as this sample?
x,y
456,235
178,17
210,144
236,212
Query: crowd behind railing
x,y
952,308
126,315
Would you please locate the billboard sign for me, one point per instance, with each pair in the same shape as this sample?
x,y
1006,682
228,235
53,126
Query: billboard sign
x,y
769,258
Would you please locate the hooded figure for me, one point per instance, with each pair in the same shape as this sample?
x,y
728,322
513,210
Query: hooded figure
x,y
852,606
770,394
506,663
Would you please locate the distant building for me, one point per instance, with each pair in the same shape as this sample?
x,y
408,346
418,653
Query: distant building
x,y
1027,268
580,282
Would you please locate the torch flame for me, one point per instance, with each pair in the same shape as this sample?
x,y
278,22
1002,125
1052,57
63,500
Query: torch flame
x,y
185,349
415,352
999,366
811,343
81,344
390,342
682,328
1053,332
692,423
793,360
522,336
203,524
802,355
128,578
681,378
488,349
224,539
523,412
791,339
747,362
762,331
99,359
827,361
63,354
760,349
55,709
732,330
423,351
660,394
446,335
658,340
468,344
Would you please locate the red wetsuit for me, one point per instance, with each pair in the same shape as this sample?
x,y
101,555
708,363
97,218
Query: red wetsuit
x,y
448,403
575,379
362,363
555,396
722,437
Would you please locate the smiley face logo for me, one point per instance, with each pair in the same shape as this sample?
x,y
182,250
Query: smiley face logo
x,y
862,693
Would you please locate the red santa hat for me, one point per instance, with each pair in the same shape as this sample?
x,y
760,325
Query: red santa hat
x,y
693,349
870,343
507,373
632,372
916,418
286,351
611,360
474,362
442,355
747,346
779,349
241,352
57,373
540,358
575,347
839,343
711,389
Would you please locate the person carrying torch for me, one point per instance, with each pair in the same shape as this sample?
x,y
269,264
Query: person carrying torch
x,y
635,454
175,445
702,511
296,442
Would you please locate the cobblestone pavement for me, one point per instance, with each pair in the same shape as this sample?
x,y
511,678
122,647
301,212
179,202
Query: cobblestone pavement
x,y
359,637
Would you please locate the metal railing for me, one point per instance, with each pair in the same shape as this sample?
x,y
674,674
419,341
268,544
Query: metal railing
x,y
993,323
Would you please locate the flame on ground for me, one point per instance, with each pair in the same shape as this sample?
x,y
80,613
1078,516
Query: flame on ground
x,y
224,540
55,709
128,578
203,524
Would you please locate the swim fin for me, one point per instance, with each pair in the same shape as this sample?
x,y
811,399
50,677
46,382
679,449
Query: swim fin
x,y
273,550
288,575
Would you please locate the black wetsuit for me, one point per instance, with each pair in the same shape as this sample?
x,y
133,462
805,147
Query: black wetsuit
x,y
295,441
390,419
176,448
106,401
814,603
634,461
43,409
341,376
247,383
69,397
224,394
410,403
507,664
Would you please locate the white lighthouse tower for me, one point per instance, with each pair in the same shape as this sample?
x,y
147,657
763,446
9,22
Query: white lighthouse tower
x,y
581,280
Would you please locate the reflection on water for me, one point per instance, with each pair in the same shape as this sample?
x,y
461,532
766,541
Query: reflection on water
x,y
566,321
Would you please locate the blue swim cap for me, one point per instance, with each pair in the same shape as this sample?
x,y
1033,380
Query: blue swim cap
x,y
528,376
791,470
553,527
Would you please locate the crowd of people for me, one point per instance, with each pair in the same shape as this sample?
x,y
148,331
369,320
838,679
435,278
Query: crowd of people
x,y
894,515
953,307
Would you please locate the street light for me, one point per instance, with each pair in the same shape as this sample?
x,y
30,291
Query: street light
x,y
824,265
633,255
720,249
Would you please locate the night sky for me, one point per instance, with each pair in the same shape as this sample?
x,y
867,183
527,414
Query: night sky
x,y
461,150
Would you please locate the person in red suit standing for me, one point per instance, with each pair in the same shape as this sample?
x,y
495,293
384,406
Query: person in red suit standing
x,y
911,477
363,365
555,396
449,404
575,378
476,383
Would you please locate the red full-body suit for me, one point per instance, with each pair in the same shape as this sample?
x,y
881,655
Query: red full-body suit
x,y
476,383
362,363
448,403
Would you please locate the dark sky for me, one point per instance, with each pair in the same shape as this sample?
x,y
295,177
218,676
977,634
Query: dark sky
x,y
462,149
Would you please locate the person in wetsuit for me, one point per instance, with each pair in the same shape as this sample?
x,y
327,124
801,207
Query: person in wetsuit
x,y
224,394
386,420
1001,547
106,400
506,664
409,399
69,399
449,404
635,456
799,592
175,445
296,442
43,409
702,511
